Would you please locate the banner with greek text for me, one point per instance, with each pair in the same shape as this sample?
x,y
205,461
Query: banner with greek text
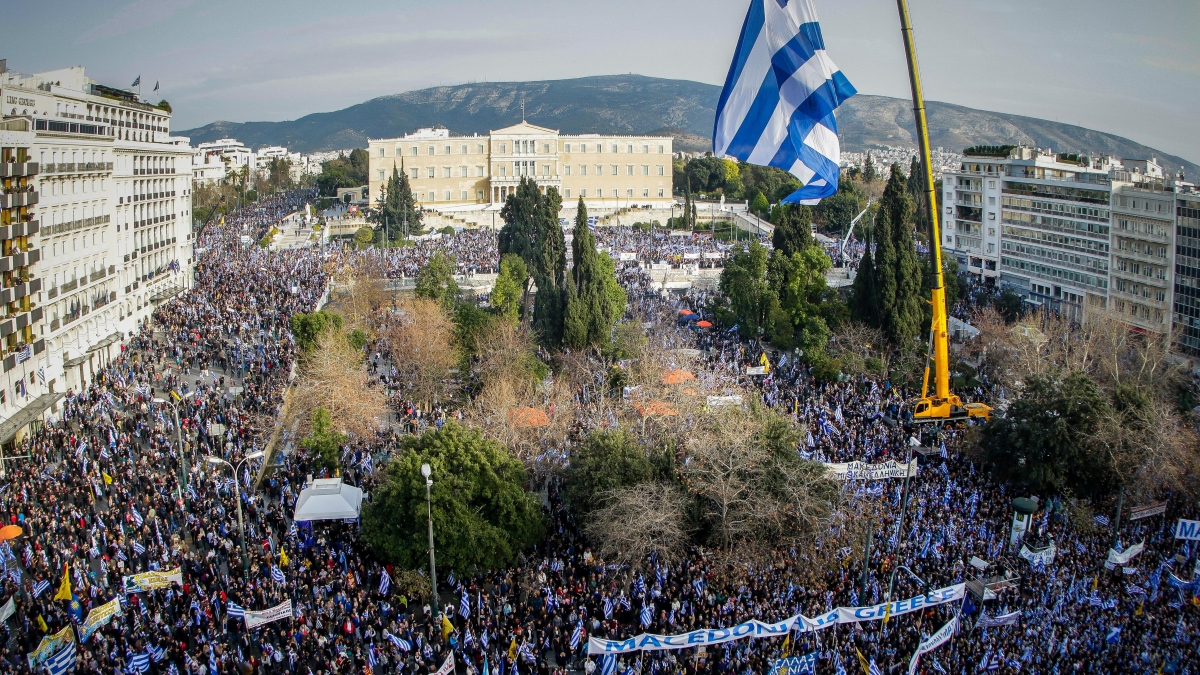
x,y
1042,555
98,617
864,471
933,642
148,581
758,629
280,611
50,644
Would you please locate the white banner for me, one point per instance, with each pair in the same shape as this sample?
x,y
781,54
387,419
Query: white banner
x,y
1044,556
718,401
757,629
1187,529
691,256
280,611
864,471
447,667
625,255
1148,510
933,642
756,370
1122,558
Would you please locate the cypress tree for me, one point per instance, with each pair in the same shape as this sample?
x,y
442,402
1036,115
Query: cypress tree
x,y
885,264
793,233
902,318
397,208
865,303
531,231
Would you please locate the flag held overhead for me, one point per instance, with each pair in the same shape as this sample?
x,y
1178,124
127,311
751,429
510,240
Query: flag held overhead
x,y
776,108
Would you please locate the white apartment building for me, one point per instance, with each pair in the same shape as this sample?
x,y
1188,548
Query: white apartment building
x,y
458,172
115,211
1035,221
1143,232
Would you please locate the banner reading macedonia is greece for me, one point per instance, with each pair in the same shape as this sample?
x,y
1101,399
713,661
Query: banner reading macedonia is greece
x,y
864,471
758,629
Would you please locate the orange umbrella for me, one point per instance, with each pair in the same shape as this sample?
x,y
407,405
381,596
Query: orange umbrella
x,y
685,312
677,377
10,532
528,417
704,324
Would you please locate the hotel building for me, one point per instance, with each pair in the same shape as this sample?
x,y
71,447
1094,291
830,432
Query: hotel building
x,y
113,201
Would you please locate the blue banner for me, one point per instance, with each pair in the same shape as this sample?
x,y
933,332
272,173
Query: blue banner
x,y
758,629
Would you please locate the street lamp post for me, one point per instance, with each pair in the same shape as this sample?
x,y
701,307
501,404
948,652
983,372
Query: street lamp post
x,y
182,485
436,605
213,459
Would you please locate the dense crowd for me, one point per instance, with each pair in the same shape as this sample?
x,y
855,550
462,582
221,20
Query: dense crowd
x,y
114,486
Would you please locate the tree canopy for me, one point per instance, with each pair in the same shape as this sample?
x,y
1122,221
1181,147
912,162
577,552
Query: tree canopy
x,y
531,231
396,212
595,301
482,514
435,280
343,172
308,327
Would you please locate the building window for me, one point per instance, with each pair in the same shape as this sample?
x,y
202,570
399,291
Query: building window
x,y
503,148
568,193
432,172
462,173
661,193
645,192
462,151
414,151
661,149
661,170
645,169
616,171
416,173
479,195
432,150
566,169
546,148
645,149
629,148
381,174
615,193
446,172
448,195
600,170
567,148
447,150
382,152
545,169
479,171
629,193
583,169
582,193
503,170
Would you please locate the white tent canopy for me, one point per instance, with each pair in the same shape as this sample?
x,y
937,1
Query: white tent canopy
x,y
328,499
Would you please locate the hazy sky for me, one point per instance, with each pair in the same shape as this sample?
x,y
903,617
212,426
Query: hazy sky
x,y
1130,68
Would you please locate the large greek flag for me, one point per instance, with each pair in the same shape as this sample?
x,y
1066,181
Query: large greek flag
x,y
777,105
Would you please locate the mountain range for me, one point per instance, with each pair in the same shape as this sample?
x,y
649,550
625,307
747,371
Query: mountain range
x,y
636,104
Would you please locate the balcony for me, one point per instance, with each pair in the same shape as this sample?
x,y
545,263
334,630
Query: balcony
x,y
18,169
55,325
14,200
70,286
77,167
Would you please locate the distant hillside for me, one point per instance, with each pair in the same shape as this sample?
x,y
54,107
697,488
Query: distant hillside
x,y
635,104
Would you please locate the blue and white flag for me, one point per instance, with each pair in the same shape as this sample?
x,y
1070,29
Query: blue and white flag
x,y
137,517
608,665
385,582
277,575
40,587
777,105
464,606
63,662
576,636
647,615
235,611
1114,635
399,643
608,606
138,548
139,663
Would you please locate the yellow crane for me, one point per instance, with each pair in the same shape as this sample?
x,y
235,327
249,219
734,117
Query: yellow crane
x,y
942,405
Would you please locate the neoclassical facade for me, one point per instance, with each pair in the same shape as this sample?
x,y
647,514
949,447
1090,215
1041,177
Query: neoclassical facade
x,y
447,171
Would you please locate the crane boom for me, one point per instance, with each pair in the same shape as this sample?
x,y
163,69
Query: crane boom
x,y
850,230
942,404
